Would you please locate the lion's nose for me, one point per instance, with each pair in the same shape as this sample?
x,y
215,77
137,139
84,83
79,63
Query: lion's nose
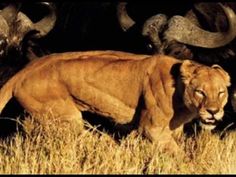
x,y
212,111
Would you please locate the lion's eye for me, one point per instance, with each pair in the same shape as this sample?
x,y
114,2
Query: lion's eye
x,y
221,93
199,93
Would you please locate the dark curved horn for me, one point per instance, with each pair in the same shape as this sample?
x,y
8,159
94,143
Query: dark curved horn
x,y
191,15
124,19
10,12
152,27
47,23
183,31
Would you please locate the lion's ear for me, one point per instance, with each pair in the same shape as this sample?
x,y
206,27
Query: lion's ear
x,y
223,73
186,70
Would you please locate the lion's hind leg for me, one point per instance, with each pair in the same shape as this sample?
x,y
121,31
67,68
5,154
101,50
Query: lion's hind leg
x,y
64,114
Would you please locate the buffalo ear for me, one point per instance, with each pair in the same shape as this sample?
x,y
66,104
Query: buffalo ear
x,y
187,69
223,73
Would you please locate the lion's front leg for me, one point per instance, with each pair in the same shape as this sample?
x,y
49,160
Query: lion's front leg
x,y
158,133
154,123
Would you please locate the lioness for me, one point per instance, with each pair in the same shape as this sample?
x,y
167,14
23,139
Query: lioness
x,y
110,83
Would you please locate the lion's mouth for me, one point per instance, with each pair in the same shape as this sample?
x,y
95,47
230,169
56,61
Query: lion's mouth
x,y
209,123
210,119
207,126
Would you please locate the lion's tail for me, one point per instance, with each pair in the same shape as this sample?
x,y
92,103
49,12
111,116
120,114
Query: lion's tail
x,y
6,92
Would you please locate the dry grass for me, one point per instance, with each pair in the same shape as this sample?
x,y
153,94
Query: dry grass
x,y
95,152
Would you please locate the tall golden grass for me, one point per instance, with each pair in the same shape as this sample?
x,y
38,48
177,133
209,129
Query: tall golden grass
x,y
59,150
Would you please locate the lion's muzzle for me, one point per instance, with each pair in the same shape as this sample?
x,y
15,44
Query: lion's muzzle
x,y
211,117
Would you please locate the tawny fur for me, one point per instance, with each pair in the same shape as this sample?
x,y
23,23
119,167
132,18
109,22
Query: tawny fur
x,y
110,83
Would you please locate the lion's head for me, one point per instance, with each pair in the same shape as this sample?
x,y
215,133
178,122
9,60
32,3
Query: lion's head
x,y
205,91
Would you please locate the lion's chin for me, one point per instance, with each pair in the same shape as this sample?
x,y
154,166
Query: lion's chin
x,y
207,126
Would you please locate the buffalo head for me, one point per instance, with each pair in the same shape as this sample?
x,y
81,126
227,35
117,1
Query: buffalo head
x,y
178,35
17,27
